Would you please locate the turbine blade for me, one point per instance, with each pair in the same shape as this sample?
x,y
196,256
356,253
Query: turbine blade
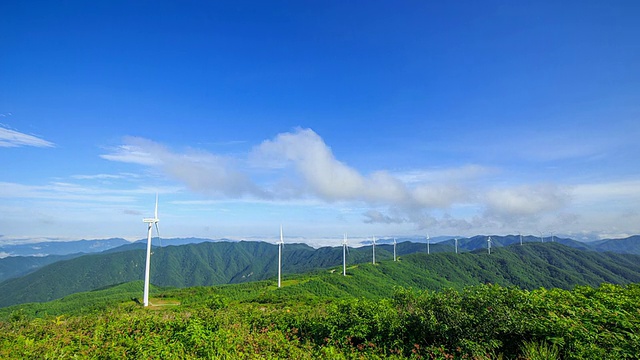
x,y
156,212
158,232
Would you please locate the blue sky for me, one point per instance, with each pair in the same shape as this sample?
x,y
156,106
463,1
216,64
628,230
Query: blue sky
x,y
371,118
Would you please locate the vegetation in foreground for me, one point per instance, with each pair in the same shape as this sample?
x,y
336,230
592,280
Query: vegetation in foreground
x,y
249,321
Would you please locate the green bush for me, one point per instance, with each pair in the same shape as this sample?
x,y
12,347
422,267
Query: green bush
x,y
479,322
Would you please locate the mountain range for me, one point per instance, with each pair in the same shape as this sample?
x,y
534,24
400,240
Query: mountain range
x,y
212,263
628,245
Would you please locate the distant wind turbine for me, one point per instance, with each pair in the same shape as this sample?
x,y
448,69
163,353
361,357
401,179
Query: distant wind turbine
x,y
456,242
394,249
428,245
552,239
374,250
520,239
541,237
489,244
280,246
151,221
345,249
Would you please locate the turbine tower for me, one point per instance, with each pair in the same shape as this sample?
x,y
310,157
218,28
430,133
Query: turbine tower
x,y
456,242
520,239
151,221
394,249
489,244
374,250
541,237
344,255
428,245
280,246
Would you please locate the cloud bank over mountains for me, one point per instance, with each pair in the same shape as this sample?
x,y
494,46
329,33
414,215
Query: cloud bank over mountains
x,y
300,165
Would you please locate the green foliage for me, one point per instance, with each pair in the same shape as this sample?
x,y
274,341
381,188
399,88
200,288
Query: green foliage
x,y
481,322
80,303
540,351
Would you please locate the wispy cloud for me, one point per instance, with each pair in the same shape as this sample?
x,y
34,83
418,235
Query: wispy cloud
x,y
12,138
65,191
98,177
201,171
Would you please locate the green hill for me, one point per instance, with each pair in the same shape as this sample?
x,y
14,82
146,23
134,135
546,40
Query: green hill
x,y
16,266
529,267
629,245
370,313
536,265
177,266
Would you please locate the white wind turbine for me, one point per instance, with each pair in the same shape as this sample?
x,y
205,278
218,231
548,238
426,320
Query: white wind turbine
x,y
374,250
280,246
428,244
520,239
345,249
394,249
456,242
151,221
489,244
541,237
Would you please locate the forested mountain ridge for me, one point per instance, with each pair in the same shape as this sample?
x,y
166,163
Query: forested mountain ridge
x,y
206,263
14,266
529,266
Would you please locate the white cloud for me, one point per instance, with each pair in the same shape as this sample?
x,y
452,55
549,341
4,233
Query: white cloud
x,y
459,174
65,192
134,154
325,176
375,216
102,176
330,179
298,168
201,171
11,138
625,191
440,195
526,200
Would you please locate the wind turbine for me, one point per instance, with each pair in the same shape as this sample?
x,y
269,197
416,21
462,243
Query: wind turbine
x,y
374,250
541,237
151,221
394,249
489,244
280,246
520,239
552,239
456,242
428,243
345,249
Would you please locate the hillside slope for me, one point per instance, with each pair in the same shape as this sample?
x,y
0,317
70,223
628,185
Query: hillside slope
x,y
548,265
16,266
178,266
531,266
